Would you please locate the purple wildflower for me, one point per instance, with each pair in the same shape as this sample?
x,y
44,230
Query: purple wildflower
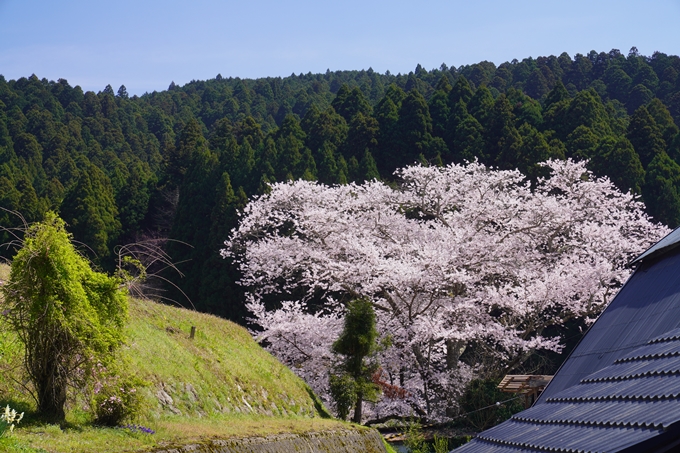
x,y
138,429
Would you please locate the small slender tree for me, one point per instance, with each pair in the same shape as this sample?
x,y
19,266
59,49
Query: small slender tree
x,y
68,317
353,384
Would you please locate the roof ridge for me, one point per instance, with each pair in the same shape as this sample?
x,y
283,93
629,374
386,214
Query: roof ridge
x,y
537,421
662,339
524,445
663,246
646,356
555,399
587,380
491,440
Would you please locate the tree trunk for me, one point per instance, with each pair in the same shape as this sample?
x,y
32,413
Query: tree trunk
x,y
50,385
51,401
454,349
357,409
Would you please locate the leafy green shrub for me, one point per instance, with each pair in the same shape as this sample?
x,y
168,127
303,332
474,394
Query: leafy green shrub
x,y
440,444
414,438
344,391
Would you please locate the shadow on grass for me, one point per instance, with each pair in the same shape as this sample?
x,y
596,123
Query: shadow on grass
x,y
318,404
19,406
32,418
8,443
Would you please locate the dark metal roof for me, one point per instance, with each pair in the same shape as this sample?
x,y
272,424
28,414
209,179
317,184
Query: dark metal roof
x,y
560,438
608,412
635,399
620,387
478,445
669,242
646,307
638,388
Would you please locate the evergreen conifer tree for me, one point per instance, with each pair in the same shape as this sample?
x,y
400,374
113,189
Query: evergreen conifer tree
x,y
616,158
643,133
480,105
661,191
502,141
90,211
356,343
461,91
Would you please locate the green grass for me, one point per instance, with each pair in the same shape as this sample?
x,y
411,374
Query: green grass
x,y
169,432
222,370
389,448
220,384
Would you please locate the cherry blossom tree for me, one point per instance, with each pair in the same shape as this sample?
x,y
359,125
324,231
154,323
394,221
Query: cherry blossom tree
x,y
454,257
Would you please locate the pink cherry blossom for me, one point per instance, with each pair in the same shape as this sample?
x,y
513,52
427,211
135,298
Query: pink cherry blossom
x,y
452,257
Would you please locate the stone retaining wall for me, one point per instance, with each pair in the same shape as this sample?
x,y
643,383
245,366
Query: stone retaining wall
x,y
340,441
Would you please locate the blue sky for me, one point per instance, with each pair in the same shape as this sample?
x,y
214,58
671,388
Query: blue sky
x,y
146,44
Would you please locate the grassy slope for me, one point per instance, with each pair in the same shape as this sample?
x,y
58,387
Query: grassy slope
x,y
222,370
222,384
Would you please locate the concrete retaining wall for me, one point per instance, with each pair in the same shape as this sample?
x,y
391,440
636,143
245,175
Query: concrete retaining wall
x,y
341,441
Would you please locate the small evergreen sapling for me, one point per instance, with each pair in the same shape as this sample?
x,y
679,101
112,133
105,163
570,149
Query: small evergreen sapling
x,y
353,384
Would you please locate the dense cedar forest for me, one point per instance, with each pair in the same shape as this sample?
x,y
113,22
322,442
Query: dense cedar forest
x,y
179,164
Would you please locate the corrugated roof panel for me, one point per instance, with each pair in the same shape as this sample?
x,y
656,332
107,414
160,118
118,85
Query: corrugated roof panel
x,y
482,446
595,414
643,387
648,306
596,404
595,390
654,350
565,437
668,242
661,364
671,335
624,413
668,318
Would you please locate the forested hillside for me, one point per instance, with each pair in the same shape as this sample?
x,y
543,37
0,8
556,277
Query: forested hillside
x,y
180,163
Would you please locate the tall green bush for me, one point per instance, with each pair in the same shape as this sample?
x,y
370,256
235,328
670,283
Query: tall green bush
x,y
68,317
